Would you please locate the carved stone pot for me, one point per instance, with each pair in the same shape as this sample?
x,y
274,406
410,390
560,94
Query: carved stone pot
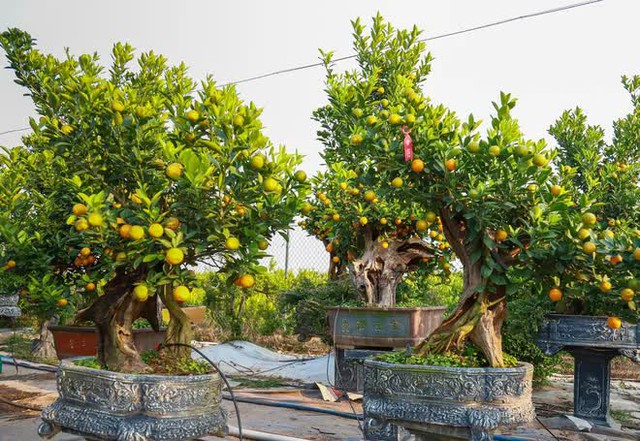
x,y
9,306
593,344
475,401
111,406
359,333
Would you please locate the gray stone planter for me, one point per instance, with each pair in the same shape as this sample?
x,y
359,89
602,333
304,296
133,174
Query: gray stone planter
x,y
110,406
593,344
416,396
9,306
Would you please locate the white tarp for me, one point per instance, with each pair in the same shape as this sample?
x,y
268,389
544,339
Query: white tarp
x,y
243,358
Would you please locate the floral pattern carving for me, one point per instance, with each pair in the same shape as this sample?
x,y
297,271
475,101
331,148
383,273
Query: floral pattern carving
x,y
480,399
9,306
126,407
559,331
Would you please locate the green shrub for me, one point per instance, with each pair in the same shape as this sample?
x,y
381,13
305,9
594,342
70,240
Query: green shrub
x,y
197,297
90,362
141,323
422,289
520,331
259,310
305,303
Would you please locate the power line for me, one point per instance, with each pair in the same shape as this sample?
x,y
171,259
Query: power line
x,y
14,130
436,37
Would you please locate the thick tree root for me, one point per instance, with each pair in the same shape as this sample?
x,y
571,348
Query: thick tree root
x,y
44,347
478,321
114,314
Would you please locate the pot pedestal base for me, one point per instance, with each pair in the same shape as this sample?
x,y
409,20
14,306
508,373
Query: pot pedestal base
x,y
592,385
593,344
349,367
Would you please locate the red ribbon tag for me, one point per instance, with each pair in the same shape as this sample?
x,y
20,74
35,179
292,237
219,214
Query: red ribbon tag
x,y
408,144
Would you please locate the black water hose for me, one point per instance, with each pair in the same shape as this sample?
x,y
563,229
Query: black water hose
x,y
285,405
223,376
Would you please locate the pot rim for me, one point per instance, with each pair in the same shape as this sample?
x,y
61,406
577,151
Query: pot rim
x,y
385,308
69,365
72,328
599,317
522,366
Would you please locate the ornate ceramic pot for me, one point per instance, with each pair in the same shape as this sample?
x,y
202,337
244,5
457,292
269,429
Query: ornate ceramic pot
x,y
9,306
359,333
593,344
382,327
416,396
111,406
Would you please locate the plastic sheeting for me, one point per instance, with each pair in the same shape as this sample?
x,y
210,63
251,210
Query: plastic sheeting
x,y
243,358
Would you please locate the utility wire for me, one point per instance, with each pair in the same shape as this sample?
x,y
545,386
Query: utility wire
x,y
14,130
436,37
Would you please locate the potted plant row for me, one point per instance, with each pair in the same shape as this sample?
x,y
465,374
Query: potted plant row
x,y
130,177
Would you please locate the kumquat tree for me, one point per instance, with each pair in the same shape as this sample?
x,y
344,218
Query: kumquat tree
x,y
598,272
407,175
360,209
130,178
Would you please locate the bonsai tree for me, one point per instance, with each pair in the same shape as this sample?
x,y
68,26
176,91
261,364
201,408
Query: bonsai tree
x,y
599,273
393,153
130,178
360,208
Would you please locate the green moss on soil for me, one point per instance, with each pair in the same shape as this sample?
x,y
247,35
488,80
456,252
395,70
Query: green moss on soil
x,y
162,363
469,357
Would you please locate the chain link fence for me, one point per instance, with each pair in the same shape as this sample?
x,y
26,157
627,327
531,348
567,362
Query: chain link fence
x,y
300,251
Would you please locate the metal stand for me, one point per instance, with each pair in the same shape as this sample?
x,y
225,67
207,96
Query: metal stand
x,y
593,344
349,368
592,385
349,376
379,430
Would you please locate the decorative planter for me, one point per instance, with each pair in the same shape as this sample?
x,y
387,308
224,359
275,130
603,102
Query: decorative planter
x,y
196,314
416,396
593,344
110,406
74,341
9,306
382,327
359,333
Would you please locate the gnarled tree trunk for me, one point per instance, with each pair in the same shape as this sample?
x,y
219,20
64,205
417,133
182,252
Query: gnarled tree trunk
x,y
179,329
43,347
480,313
379,270
114,314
